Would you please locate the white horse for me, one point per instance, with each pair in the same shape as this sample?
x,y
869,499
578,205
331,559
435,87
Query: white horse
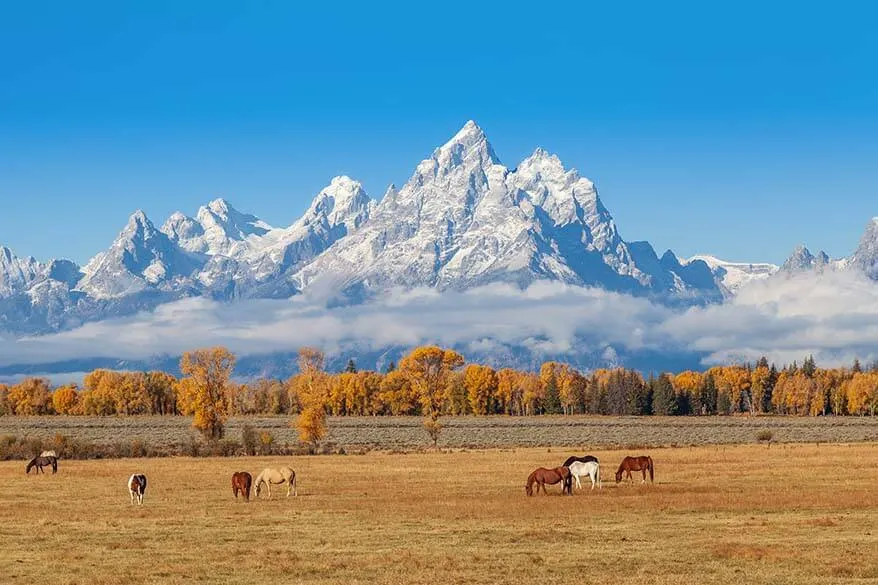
x,y
137,487
279,476
590,468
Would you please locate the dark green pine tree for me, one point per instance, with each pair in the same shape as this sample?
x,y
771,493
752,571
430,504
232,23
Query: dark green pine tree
x,y
390,367
664,399
552,401
856,368
351,368
769,389
707,396
809,366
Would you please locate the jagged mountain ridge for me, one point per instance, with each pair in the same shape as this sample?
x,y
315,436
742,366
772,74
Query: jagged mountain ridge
x,y
463,219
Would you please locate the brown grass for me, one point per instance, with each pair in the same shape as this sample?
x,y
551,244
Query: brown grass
x,y
407,433
788,514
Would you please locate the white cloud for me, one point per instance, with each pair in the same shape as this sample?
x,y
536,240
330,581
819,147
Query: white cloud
x,y
834,316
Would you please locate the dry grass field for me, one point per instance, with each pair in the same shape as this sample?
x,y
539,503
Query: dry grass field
x,y
716,514
406,432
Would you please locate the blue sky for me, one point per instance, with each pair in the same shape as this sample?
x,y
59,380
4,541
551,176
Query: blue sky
x,y
738,130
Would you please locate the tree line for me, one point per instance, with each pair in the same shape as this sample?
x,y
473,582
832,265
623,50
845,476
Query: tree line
x,y
432,382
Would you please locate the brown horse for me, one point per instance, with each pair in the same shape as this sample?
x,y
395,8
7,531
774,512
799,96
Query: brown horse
x,y
241,482
642,464
542,476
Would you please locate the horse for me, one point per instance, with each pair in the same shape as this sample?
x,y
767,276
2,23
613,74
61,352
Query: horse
x,y
643,464
279,476
590,468
583,459
542,476
137,487
241,482
40,462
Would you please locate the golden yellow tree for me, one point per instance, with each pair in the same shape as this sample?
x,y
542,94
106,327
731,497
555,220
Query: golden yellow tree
x,y
65,400
31,397
481,387
208,372
312,389
427,369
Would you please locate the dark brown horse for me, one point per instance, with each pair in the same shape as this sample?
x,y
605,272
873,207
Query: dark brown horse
x,y
40,462
542,476
642,464
241,482
583,459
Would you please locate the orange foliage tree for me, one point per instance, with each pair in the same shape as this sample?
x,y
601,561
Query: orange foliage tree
x,y
208,372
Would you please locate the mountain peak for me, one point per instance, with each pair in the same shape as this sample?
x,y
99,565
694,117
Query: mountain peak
x,y
220,207
469,140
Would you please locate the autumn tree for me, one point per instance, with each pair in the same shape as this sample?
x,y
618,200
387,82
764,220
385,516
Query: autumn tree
x,y
481,387
551,392
312,388
31,396
207,373
427,369
65,400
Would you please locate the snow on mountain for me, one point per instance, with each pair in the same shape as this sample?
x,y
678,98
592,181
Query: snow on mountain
x,y
865,257
17,274
802,259
141,257
736,275
463,219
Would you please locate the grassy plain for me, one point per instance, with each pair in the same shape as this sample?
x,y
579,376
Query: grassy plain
x,y
717,514
406,432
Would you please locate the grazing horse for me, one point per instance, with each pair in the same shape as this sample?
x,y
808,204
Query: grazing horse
x,y
542,476
583,459
279,476
590,468
642,464
40,462
137,487
241,482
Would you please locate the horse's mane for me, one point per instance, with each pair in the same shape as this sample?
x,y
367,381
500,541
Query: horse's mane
x,y
583,459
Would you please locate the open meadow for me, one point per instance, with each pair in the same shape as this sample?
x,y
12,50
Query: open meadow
x,y
716,514
407,432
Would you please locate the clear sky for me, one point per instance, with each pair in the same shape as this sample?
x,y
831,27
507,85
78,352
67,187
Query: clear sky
x,y
738,129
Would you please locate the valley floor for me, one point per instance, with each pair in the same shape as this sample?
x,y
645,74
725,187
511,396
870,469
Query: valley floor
x,y
717,514
406,432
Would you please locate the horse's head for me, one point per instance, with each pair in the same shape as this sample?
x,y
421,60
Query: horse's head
x,y
619,475
257,489
529,490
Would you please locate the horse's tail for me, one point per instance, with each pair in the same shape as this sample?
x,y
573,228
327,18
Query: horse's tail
x,y
651,469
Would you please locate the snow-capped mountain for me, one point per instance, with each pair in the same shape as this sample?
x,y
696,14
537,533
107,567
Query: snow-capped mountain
x,y
736,275
865,257
802,259
141,257
463,219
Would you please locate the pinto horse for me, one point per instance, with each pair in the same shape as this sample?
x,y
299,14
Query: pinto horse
x,y
279,476
40,462
542,476
137,487
241,482
583,459
643,464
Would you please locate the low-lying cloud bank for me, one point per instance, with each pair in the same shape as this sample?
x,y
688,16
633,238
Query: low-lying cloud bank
x,y
833,316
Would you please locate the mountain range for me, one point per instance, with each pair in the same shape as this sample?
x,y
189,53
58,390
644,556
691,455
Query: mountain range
x,y
462,220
